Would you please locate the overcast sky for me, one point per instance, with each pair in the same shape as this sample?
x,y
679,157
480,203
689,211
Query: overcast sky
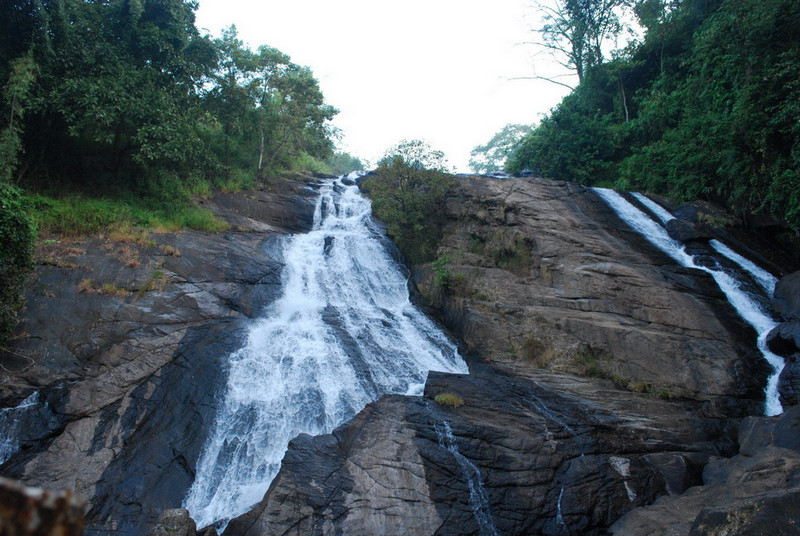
x,y
438,70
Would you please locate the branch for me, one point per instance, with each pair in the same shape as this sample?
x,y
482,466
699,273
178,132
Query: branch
x,y
546,79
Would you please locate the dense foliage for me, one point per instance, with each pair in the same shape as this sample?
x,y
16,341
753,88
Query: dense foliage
x,y
120,108
16,248
407,189
707,105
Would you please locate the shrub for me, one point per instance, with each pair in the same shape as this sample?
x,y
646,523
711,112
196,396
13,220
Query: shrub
x,y
451,400
17,235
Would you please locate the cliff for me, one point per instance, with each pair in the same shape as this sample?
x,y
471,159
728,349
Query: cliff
x,y
610,390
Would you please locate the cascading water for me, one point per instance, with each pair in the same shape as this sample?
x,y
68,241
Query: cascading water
x,y
748,308
478,500
11,422
342,334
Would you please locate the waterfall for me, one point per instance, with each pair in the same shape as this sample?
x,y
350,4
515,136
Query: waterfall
x,y
12,421
747,307
478,500
342,334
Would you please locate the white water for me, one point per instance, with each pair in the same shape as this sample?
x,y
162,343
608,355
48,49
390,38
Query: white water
x,y
11,421
342,334
749,309
478,500
766,280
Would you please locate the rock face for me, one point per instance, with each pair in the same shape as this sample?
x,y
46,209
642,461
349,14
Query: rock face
x,y
602,378
545,273
606,383
518,457
123,338
753,493
787,297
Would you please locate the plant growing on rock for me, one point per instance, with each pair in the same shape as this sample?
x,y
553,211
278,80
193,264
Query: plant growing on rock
x,y
450,400
17,234
408,197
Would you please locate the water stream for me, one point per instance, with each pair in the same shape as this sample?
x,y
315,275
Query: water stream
x,y
478,500
342,334
745,304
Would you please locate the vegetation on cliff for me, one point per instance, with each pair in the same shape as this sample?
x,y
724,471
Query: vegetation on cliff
x,y
407,189
117,113
705,106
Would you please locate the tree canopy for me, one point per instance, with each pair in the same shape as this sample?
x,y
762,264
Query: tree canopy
x,y
707,105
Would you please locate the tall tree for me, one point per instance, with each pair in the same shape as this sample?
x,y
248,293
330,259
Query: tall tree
x,y
576,31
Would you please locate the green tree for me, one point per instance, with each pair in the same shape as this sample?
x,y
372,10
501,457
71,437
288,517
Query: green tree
x,y
576,31
17,235
408,197
417,154
493,155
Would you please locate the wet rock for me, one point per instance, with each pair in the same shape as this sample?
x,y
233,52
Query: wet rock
x,y
789,381
26,511
126,337
570,275
750,493
684,231
175,522
784,340
786,301
523,455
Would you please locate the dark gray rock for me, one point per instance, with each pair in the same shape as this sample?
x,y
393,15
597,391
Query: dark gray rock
x,y
547,461
768,514
684,231
754,492
789,381
787,297
784,340
128,366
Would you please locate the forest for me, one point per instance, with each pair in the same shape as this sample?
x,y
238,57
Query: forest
x,y
118,112
706,105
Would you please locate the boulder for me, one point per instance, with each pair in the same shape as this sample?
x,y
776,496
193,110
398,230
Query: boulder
x,y
175,522
26,511
784,339
752,493
786,301
789,381
684,231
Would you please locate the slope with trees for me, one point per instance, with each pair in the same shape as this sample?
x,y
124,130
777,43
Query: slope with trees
x,y
706,105
117,112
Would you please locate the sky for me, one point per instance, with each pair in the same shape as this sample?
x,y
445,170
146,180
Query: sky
x,y
443,71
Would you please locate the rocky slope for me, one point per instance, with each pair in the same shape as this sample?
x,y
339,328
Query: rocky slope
x,y
603,377
123,337
606,384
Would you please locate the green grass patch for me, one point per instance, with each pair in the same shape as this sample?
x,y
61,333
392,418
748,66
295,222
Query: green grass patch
x,y
77,215
450,400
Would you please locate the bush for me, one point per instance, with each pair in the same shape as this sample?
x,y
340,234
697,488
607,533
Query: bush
x,y
409,199
450,400
17,235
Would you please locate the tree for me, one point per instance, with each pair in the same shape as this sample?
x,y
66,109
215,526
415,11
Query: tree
x,y
493,156
575,32
417,154
408,189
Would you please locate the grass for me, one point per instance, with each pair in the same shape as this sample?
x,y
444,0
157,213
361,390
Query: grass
x,y
450,400
121,218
